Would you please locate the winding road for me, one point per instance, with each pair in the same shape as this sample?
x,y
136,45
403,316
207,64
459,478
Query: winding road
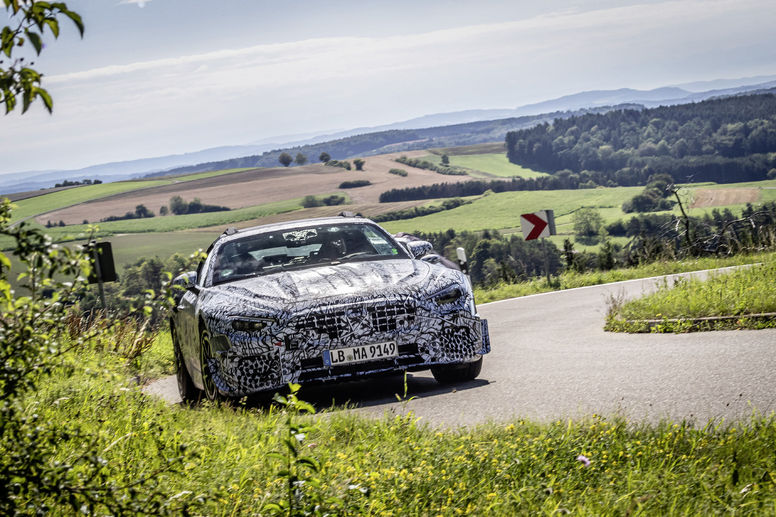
x,y
551,359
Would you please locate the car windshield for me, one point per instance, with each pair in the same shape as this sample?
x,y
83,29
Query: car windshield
x,y
280,250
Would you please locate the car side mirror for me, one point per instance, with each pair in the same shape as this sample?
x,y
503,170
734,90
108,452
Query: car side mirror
x,y
186,280
418,248
461,255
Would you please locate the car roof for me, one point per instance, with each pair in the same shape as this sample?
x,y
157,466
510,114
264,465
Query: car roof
x,y
232,234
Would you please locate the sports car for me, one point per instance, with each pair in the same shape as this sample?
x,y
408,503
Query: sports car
x,y
320,300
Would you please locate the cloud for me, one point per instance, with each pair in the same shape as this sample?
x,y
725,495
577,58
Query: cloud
x,y
236,95
139,3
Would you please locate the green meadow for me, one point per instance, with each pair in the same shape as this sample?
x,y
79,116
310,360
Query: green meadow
x,y
495,164
502,210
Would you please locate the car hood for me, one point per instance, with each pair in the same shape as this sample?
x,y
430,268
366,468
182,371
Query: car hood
x,y
355,280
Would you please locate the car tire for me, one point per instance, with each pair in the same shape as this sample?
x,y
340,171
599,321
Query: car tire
x,y
205,355
452,373
188,392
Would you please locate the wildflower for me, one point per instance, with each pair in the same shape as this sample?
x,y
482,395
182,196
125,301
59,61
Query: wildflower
x,y
583,460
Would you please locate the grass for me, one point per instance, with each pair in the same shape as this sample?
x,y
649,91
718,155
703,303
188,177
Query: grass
x,y
495,164
396,465
503,210
739,293
171,223
55,200
571,279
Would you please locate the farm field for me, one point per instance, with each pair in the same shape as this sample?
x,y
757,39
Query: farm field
x,y
258,187
487,165
171,223
495,164
502,210
54,200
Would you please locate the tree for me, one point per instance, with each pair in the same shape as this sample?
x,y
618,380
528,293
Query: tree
x,y
588,225
445,160
28,23
141,211
324,157
163,210
178,206
359,163
300,159
285,159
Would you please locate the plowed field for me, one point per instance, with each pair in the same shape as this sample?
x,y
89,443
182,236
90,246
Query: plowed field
x,y
724,197
259,186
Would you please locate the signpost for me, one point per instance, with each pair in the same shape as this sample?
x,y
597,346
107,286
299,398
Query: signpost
x,y
536,225
103,268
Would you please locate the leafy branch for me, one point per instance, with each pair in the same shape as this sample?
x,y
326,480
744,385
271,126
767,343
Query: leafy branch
x,y
29,22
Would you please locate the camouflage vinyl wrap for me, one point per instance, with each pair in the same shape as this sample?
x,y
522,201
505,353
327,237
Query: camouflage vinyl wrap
x,y
291,322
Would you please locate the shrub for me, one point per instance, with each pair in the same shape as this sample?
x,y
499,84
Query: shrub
x,y
398,172
354,184
336,163
312,201
51,466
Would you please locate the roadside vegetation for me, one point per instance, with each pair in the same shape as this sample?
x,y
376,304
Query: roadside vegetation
x,y
744,298
572,279
397,465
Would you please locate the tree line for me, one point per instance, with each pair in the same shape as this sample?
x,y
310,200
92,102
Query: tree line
x,y
721,140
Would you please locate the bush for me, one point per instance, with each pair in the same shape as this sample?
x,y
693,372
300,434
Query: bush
x,y
354,184
398,172
52,465
419,211
336,163
180,207
312,201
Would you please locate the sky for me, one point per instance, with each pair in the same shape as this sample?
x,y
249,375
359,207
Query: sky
x,y
157,77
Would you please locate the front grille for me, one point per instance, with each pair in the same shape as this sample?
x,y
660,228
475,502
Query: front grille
x,y
390,317
329,323
381,318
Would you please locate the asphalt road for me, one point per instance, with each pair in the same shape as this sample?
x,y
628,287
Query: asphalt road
x,y
551,359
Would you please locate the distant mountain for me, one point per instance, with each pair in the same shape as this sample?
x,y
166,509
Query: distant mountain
x,y
117,171
395,140
428,132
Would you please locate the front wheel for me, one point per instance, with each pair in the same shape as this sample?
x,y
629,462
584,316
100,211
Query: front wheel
x,y
188,392
452,373
206,365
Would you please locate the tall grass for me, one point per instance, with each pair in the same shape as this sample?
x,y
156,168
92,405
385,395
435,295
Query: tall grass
x,y
396,465
729,298
572,279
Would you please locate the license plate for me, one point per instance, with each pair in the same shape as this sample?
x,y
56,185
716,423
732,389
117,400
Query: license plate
x,y
360,354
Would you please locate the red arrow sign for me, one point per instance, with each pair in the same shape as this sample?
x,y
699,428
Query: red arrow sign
x,y
539,226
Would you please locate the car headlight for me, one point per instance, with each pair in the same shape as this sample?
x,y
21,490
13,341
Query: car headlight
x,y
250,324
448,295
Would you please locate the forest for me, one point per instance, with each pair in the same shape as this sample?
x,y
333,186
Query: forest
x,y
724,140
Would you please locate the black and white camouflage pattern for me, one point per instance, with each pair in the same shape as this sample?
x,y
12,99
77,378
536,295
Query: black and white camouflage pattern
x,y
306,312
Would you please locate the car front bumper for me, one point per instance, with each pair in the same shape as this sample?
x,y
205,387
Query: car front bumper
x,y
295,353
